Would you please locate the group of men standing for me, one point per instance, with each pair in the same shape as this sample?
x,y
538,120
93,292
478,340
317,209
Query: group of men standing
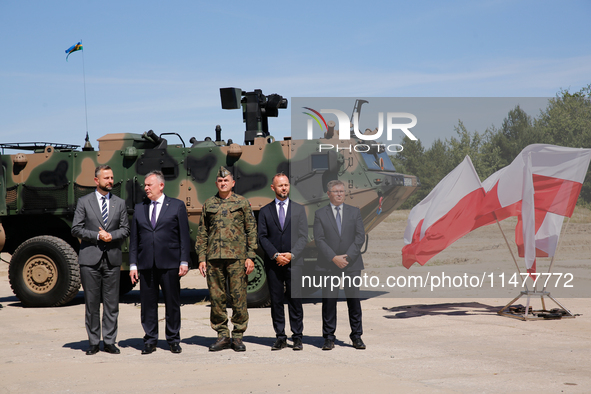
x,y
226,244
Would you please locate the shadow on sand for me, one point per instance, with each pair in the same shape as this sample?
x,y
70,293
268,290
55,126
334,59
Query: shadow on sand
x,y
447,309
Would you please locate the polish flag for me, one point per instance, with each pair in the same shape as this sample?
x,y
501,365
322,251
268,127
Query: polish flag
x,y
543,179
548,226
449,212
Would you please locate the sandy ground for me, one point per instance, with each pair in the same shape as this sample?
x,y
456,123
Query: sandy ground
x,y
442,341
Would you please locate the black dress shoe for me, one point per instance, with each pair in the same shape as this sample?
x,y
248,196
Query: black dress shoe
x,y
112,349
221,344
238,345
175,348
297,344
149,349
279,344
328,344
93,349
358,344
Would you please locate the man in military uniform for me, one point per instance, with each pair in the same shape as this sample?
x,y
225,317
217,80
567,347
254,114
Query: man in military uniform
x,y
226,245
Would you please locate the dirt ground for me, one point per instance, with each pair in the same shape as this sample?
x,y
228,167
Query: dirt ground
x,y
434,340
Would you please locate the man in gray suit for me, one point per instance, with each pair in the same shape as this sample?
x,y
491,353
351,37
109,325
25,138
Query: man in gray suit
x,y
101,223
339,236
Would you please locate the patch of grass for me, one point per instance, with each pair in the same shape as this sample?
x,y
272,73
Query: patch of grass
x,y
581,215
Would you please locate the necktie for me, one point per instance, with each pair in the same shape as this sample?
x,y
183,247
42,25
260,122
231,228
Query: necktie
x,y
104,211
339,219
281,214
153,220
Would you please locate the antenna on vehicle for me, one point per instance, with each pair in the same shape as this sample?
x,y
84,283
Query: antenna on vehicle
x,y
87,145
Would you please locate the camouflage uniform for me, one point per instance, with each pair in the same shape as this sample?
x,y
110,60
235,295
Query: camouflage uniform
x,y
227,237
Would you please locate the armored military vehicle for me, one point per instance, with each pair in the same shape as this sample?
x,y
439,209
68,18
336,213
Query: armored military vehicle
x,y
40,185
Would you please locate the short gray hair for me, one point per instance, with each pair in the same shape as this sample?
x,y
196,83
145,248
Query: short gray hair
x,y
333,183
158,174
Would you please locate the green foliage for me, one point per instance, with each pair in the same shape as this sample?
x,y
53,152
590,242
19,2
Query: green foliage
x,y
566,121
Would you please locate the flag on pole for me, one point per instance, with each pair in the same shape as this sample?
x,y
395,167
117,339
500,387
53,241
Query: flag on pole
x,y
551,176
74,48
541,186
528,216
548,226
449,212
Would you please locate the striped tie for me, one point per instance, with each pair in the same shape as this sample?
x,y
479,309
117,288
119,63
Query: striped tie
x,y
104,211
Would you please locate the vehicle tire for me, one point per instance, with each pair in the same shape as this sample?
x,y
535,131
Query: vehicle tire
x,y
258,295
125,285
44,271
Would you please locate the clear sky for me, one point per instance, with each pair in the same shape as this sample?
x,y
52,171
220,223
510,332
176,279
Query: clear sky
x,y
159,65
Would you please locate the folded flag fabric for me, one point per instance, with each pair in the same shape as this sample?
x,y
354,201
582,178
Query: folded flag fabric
x,y
548,226
557,174
551,176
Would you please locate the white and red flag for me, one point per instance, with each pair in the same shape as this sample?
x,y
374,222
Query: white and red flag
x,y
449,212
541,186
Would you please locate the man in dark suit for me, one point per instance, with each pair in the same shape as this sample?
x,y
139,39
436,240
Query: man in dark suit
x,y
159,249
101,223
283,234
339,235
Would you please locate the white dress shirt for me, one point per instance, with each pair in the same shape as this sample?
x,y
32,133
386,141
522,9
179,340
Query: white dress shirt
x,y
334,211
99,198
285,205
160,202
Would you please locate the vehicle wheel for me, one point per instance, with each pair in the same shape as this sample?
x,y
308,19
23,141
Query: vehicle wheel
x,y
257,291
44,271
125,285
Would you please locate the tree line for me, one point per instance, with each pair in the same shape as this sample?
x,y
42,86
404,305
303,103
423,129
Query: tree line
x,y
566,121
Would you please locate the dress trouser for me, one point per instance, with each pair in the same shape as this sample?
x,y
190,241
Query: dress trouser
x,y
329,307
151,280
279,280
101,279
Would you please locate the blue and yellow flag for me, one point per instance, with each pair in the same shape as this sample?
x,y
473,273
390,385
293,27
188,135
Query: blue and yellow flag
x,y
74,48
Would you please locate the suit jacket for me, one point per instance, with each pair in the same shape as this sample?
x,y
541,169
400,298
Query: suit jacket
x,y
164,246
331,244
273,239
86,223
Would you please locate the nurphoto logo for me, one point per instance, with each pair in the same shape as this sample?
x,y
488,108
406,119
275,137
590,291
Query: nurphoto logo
x,y
345,129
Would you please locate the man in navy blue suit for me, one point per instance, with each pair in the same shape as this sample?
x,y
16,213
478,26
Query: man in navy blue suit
x,y
339,236
283,234
160,250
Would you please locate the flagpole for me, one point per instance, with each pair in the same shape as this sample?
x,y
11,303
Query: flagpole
x,y
557,247
509,247
84,81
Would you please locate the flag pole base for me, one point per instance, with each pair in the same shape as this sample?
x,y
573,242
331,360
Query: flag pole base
x,y
528,313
